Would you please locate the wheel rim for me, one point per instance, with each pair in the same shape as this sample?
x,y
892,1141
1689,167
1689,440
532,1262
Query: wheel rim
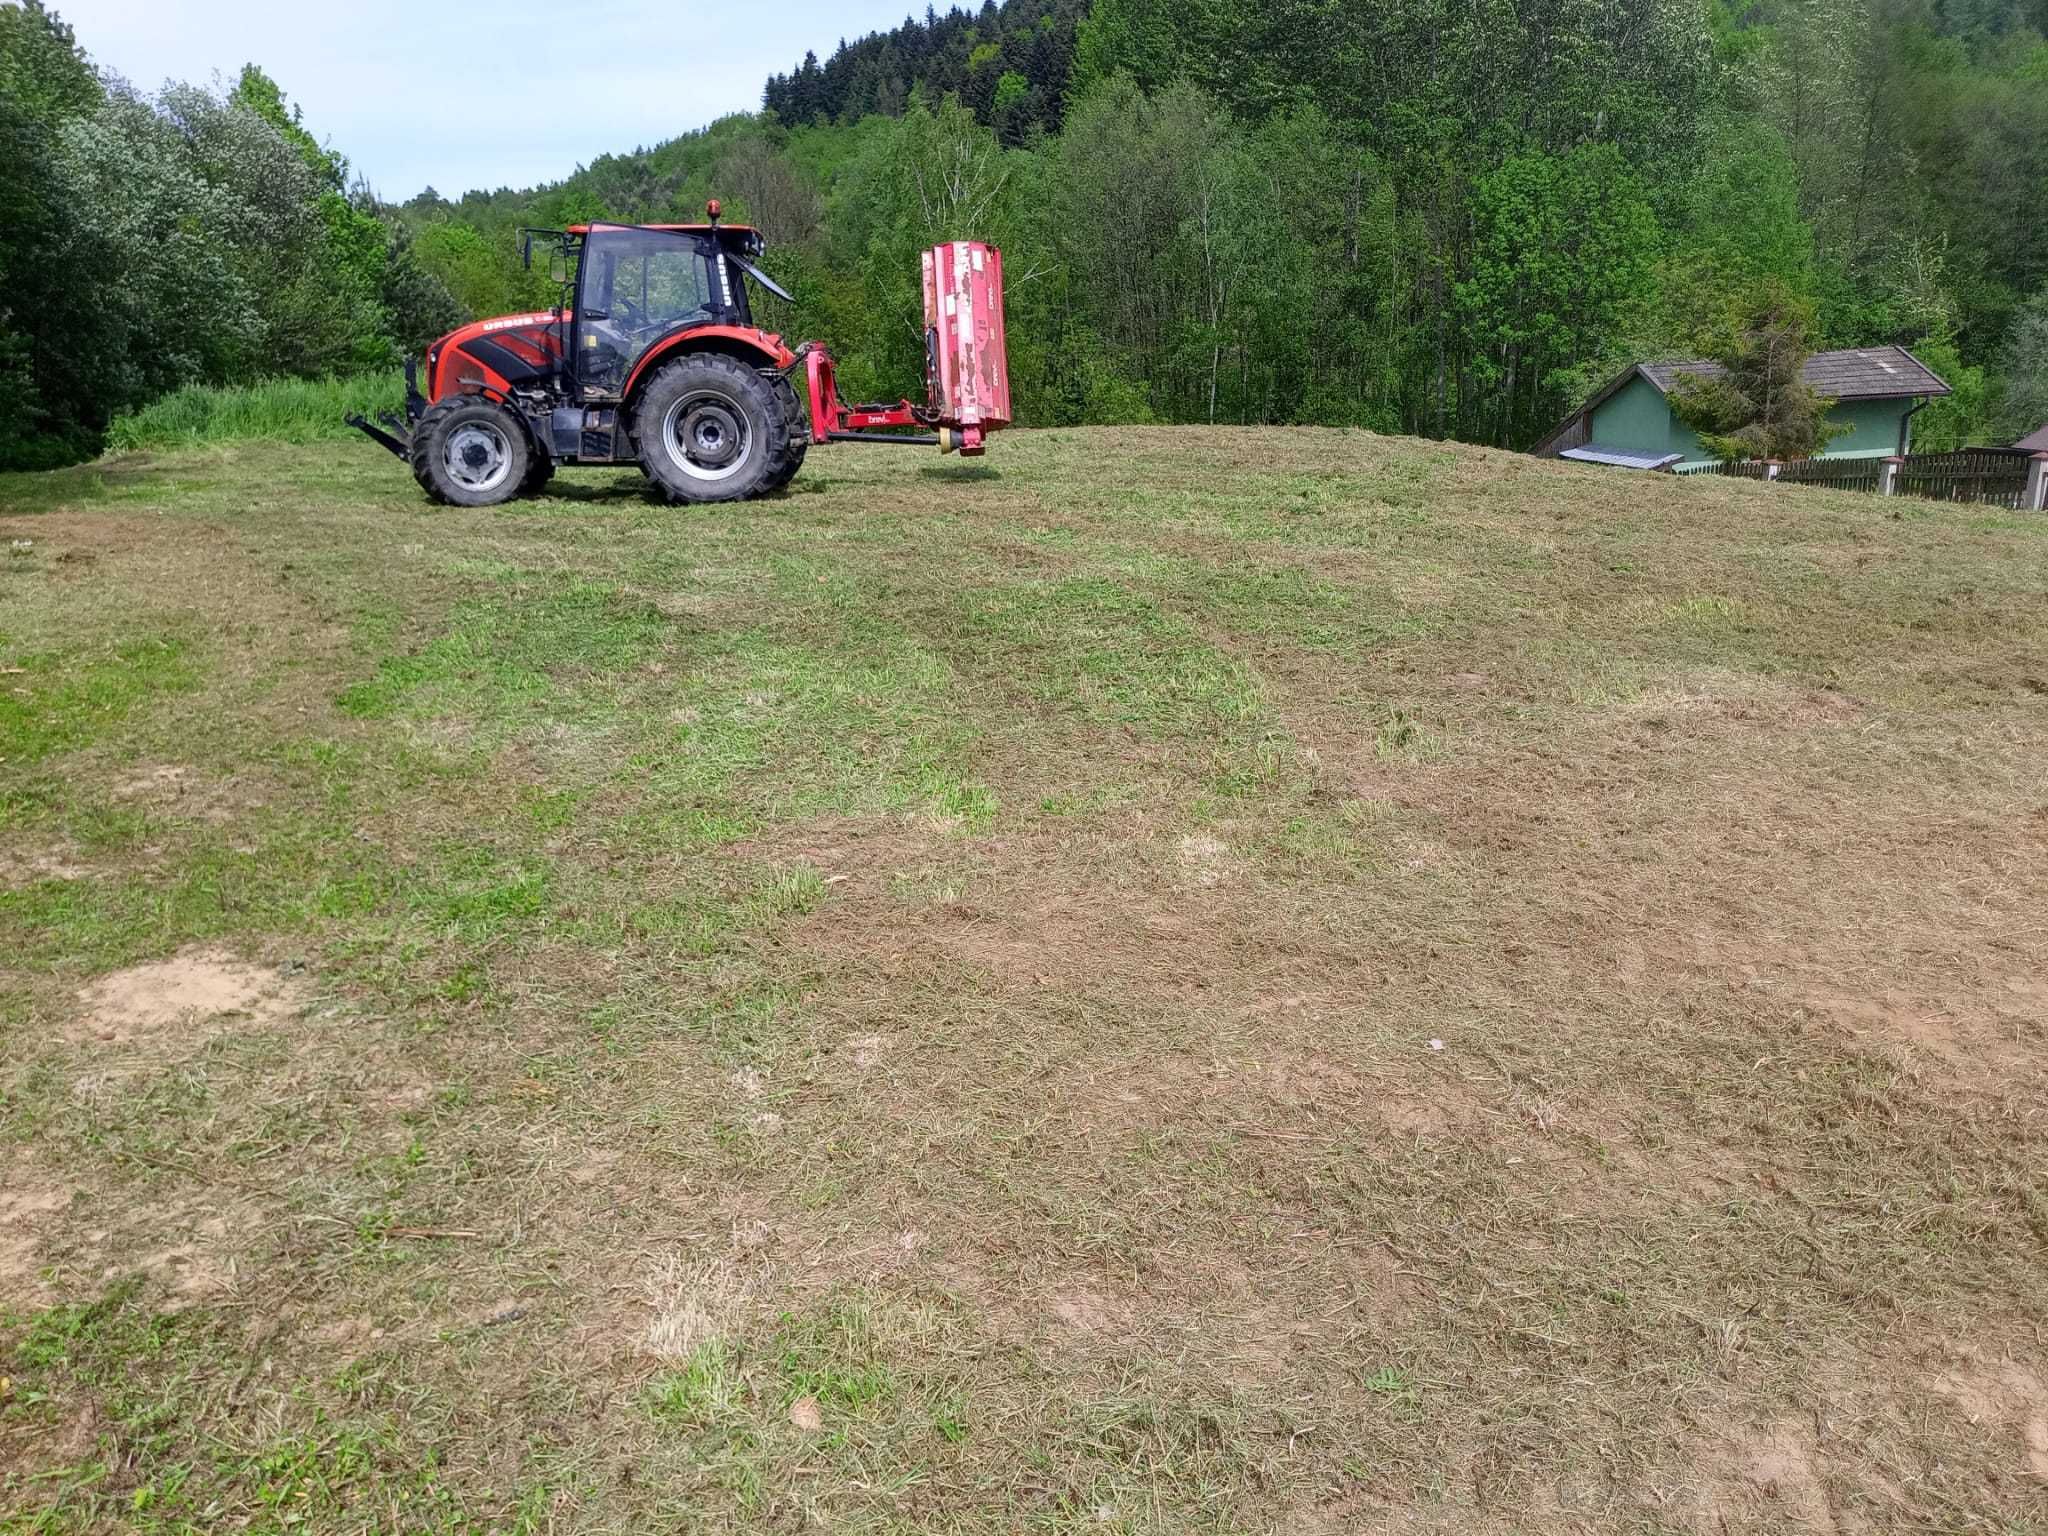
x,y
708,436
478,456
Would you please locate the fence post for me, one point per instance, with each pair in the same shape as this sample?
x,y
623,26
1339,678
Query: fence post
x,y
1888,476
2036,497
1771,468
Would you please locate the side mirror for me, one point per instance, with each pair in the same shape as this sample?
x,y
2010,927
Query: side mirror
x,y
558,266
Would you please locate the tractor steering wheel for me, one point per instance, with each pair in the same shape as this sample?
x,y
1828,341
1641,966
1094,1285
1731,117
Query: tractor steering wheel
x,y
626,315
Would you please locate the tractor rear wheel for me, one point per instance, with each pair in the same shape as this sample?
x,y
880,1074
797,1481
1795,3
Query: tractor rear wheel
x,y
538,474
711,428
799,434
469,451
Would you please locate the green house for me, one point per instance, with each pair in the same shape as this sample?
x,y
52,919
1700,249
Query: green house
x,y
1630,422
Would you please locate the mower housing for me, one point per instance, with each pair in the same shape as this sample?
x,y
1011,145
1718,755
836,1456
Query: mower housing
x,y
967,370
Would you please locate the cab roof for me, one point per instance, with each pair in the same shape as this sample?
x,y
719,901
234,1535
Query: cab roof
x,y
681,229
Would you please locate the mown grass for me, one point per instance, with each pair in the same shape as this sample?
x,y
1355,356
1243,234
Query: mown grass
x,y
66,699
1179,981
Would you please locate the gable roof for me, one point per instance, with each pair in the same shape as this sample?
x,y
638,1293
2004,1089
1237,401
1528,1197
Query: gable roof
x,y
2037,441
1858,373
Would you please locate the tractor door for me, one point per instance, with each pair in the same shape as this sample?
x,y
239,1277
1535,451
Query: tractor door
x,y
637,286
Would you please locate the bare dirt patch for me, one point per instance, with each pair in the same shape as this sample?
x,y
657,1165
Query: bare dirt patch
x,y
165,781
1078,1310
1733,695
202,1260
22,868
171,789
2007,1398
29,1213
1765,1473
58,1240
864,848
190,997
1988,1034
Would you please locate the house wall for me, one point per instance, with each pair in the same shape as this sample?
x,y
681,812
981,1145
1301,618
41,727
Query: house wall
x,y
1639,419
1873,428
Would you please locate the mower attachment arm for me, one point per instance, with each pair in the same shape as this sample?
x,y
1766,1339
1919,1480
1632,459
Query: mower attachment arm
x,y
834,421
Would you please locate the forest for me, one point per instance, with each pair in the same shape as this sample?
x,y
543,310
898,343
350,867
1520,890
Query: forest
x,y
1450,218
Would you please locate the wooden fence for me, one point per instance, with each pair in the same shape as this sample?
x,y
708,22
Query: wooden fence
x,y
1842,474
1998,477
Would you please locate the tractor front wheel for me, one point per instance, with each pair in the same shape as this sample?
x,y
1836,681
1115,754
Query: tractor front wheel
x,y
470,451
710,428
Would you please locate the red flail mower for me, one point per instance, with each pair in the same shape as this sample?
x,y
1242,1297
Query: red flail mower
x,y
655,360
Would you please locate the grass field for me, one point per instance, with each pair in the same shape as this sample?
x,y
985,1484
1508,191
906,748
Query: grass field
x,y
1174,981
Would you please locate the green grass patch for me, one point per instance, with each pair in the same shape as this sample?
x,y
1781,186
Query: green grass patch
x,y
284,410
1111,654
706,1389
835,1356
478,893
279,882
785,730
540,643
1294,604
61,701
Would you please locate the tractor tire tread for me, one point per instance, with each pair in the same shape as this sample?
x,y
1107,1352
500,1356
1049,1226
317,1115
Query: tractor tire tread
x,y
426,435
799,435
768,398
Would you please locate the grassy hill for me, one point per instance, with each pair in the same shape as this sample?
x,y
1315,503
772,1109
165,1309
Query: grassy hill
x,y
1174,980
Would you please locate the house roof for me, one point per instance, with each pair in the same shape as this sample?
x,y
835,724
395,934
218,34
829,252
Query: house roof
x,y
2036,441
1859,373
1623,458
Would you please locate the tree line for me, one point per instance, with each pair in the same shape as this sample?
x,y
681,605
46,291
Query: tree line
x,y
194,236
1444,217
1009,64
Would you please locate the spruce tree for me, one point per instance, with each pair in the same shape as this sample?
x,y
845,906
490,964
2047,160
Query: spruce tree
x,y
1760,406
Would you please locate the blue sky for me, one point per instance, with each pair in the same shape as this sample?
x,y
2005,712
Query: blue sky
x,y
482,93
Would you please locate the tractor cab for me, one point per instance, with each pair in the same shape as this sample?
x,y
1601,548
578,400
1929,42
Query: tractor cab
x,y
639,285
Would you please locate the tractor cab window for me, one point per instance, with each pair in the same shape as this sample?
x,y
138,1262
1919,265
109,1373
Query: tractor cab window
x,y
636,287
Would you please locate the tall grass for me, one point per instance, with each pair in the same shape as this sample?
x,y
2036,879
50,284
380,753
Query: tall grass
x,y
288,410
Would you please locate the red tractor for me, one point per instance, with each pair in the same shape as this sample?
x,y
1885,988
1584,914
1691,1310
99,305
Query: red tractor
x,y
657,362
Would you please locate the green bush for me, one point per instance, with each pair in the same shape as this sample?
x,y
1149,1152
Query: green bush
x,y
288,410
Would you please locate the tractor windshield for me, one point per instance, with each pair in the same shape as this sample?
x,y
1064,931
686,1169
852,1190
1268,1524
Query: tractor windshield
x,y
636,286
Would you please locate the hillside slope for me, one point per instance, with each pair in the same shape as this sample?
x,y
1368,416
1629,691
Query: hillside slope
x,y
1174,980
